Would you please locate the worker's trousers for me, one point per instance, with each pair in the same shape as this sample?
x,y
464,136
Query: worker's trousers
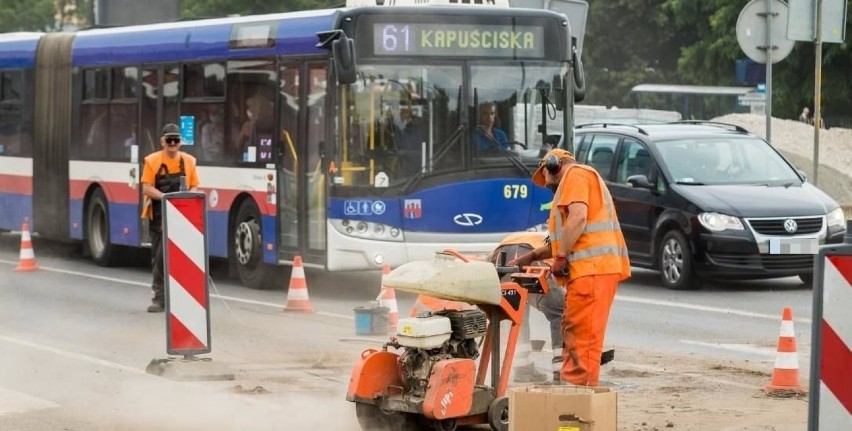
x,y
588,301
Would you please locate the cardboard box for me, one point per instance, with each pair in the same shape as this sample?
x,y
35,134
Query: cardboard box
x,y
562,408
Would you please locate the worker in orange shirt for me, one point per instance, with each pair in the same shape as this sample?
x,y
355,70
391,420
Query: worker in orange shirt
x,y
589,258
161,173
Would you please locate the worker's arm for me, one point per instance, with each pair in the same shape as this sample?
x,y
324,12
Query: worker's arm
x,y
151,192
575,223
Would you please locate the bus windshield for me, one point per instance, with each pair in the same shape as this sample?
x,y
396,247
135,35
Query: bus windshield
x,y
400,122
510,103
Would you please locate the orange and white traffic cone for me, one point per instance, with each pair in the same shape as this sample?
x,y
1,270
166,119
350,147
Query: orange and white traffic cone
x,y
27,262
387,298
297,293
785,376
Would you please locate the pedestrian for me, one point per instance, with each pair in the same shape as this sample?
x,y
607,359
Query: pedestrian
x,y
805,116
161,174
589,259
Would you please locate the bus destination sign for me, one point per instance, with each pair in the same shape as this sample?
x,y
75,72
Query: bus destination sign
x,y
458,40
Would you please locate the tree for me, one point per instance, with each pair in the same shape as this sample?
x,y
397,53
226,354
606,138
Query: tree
x,y
30,15
192,9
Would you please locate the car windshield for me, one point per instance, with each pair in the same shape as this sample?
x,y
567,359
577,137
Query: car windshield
x,y
725,160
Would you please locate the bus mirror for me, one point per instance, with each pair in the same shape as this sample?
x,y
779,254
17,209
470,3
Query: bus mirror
x,y
579,77
344,60
558,93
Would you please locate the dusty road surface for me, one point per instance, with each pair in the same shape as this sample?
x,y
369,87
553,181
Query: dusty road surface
x,y
75,340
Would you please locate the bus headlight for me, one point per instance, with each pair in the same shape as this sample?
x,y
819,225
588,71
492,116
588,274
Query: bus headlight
x,y
368,230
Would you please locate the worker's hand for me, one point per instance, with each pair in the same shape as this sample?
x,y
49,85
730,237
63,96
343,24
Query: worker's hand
x,y
523,260
560,266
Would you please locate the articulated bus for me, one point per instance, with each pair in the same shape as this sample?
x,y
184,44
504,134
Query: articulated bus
x,y
346,136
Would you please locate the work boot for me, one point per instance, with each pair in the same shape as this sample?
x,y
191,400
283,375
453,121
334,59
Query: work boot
x,y
156,307
528,374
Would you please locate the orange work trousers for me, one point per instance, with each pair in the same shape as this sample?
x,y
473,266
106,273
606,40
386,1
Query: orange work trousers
x,y
587,303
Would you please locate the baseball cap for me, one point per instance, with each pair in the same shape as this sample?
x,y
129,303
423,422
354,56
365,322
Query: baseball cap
x,y
559,153
171,129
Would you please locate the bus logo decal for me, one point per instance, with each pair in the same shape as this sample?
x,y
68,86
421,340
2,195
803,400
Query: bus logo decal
x,y
412,209
467,219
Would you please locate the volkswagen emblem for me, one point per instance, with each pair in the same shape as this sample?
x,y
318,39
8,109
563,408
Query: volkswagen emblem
x,y
467,219
790,225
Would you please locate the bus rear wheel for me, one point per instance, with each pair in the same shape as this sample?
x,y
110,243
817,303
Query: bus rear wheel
x,y
98,244
247,254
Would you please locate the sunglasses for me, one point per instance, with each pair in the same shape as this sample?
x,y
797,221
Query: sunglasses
x,y
172,141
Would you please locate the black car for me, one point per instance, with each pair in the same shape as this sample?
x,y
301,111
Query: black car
x,y
707,200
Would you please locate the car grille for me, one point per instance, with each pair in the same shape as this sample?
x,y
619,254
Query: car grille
x,y
771,262
775,226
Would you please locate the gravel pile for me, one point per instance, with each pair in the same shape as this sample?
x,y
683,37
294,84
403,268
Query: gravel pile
x,y
796,141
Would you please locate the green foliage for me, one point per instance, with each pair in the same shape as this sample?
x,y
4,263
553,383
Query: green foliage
x,y
30,15
193,9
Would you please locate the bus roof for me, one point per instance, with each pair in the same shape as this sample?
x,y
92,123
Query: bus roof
x,y
296,33
17,50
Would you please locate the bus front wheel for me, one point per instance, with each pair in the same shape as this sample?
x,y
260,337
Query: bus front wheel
x,y
247,243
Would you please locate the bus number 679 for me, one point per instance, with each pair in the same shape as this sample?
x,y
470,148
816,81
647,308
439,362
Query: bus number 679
x,y
515,191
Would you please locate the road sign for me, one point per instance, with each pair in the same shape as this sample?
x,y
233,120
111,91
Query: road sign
x,y
830,405
800,23
186,269
751,31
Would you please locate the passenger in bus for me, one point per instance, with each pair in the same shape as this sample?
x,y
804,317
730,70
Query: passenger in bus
x,y
488,136
161,174
259,110
412,137
213,134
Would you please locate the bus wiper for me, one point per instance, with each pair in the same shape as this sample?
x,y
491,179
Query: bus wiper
x,y
515,161
444,149
691,183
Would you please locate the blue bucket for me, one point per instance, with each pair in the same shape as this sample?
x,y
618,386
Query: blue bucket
x,y
371,320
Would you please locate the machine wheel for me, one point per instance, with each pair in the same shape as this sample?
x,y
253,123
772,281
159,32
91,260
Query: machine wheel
x,y
97,230
248,249
675,262
445,425
498,414
372,418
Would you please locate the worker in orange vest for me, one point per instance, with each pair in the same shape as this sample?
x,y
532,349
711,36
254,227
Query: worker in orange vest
x,y
589,258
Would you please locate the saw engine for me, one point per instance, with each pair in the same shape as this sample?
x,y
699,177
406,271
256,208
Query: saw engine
x,y
433,337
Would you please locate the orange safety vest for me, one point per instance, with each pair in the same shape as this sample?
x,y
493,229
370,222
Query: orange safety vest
x,y
600,249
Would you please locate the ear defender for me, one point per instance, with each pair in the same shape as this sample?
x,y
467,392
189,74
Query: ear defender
x,y
552,164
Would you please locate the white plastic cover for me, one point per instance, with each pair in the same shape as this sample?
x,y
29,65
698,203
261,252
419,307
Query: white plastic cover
x,y
424,332
474,282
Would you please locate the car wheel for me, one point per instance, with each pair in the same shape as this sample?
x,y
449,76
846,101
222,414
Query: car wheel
x,y
675,262
248,249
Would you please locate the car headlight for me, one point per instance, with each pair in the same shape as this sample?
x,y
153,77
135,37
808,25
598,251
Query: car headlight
x,y
836,218
716,222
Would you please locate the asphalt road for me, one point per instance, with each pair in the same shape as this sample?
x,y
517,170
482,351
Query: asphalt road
x,y
75,340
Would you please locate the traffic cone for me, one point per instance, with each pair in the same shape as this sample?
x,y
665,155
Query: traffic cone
x,y
387,298
27,262
297,293
785,376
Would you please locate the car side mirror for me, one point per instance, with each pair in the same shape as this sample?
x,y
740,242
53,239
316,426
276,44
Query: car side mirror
x,y
639,182
802,174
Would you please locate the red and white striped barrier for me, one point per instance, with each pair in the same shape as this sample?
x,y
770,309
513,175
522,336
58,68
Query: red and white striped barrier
x,y
831,373
186,268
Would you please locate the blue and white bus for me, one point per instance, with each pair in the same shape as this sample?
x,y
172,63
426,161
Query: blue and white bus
x,y
344,136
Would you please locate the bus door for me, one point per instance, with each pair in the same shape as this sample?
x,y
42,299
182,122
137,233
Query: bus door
x,y
302,176
159,95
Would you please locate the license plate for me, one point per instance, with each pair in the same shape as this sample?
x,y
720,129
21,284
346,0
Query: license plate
x,y
793,245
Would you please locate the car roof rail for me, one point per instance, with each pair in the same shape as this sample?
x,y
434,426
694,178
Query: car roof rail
x,y
713,123
605,125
